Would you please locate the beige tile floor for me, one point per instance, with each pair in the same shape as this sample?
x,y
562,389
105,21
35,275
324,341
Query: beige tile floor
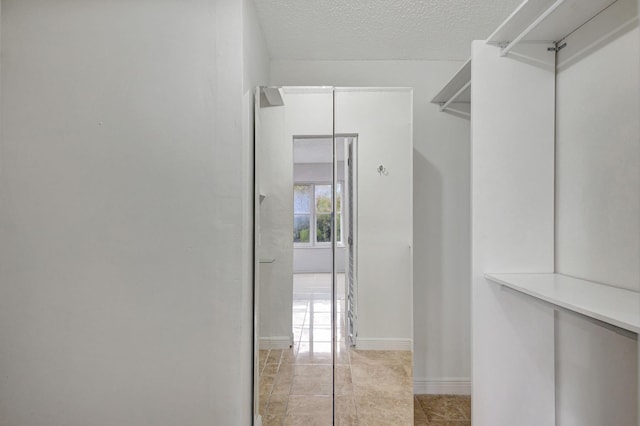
x,y
371,387
441,410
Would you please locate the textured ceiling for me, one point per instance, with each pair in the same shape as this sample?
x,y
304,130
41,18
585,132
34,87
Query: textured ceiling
x,y
378,29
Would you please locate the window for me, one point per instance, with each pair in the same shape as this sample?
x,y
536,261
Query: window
x,y
302,197
312,213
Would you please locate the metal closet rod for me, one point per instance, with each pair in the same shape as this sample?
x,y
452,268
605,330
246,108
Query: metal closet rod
x,y
453,98
457,111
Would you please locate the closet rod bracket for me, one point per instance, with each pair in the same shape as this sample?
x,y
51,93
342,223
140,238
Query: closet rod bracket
x,y
556,47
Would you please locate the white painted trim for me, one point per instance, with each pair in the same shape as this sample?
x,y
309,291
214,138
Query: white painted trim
x,y
275,342
373,89
257,421
383,344
442,386
307,89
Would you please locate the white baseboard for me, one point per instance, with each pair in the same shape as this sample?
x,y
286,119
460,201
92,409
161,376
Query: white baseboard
x,y
257,421
381,344
275,342
442,386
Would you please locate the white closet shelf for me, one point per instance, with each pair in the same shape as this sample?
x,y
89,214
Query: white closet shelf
x,y
611,305
545,21
457,90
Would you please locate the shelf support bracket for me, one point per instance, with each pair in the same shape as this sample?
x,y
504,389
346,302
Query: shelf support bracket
x,y
556,47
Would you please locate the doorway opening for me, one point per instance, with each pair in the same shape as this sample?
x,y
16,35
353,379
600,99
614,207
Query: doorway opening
x,y
315,222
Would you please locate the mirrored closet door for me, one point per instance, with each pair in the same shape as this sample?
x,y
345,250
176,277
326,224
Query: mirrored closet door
x,y
333,256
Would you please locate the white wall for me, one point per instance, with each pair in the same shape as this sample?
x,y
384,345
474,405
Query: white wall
x,y
123,188
441,209
599,152
598,210
382,119
274,243
256,55
317,260
317,172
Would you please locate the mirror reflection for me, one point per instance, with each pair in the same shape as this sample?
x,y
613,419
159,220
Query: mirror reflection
x,y
333,250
